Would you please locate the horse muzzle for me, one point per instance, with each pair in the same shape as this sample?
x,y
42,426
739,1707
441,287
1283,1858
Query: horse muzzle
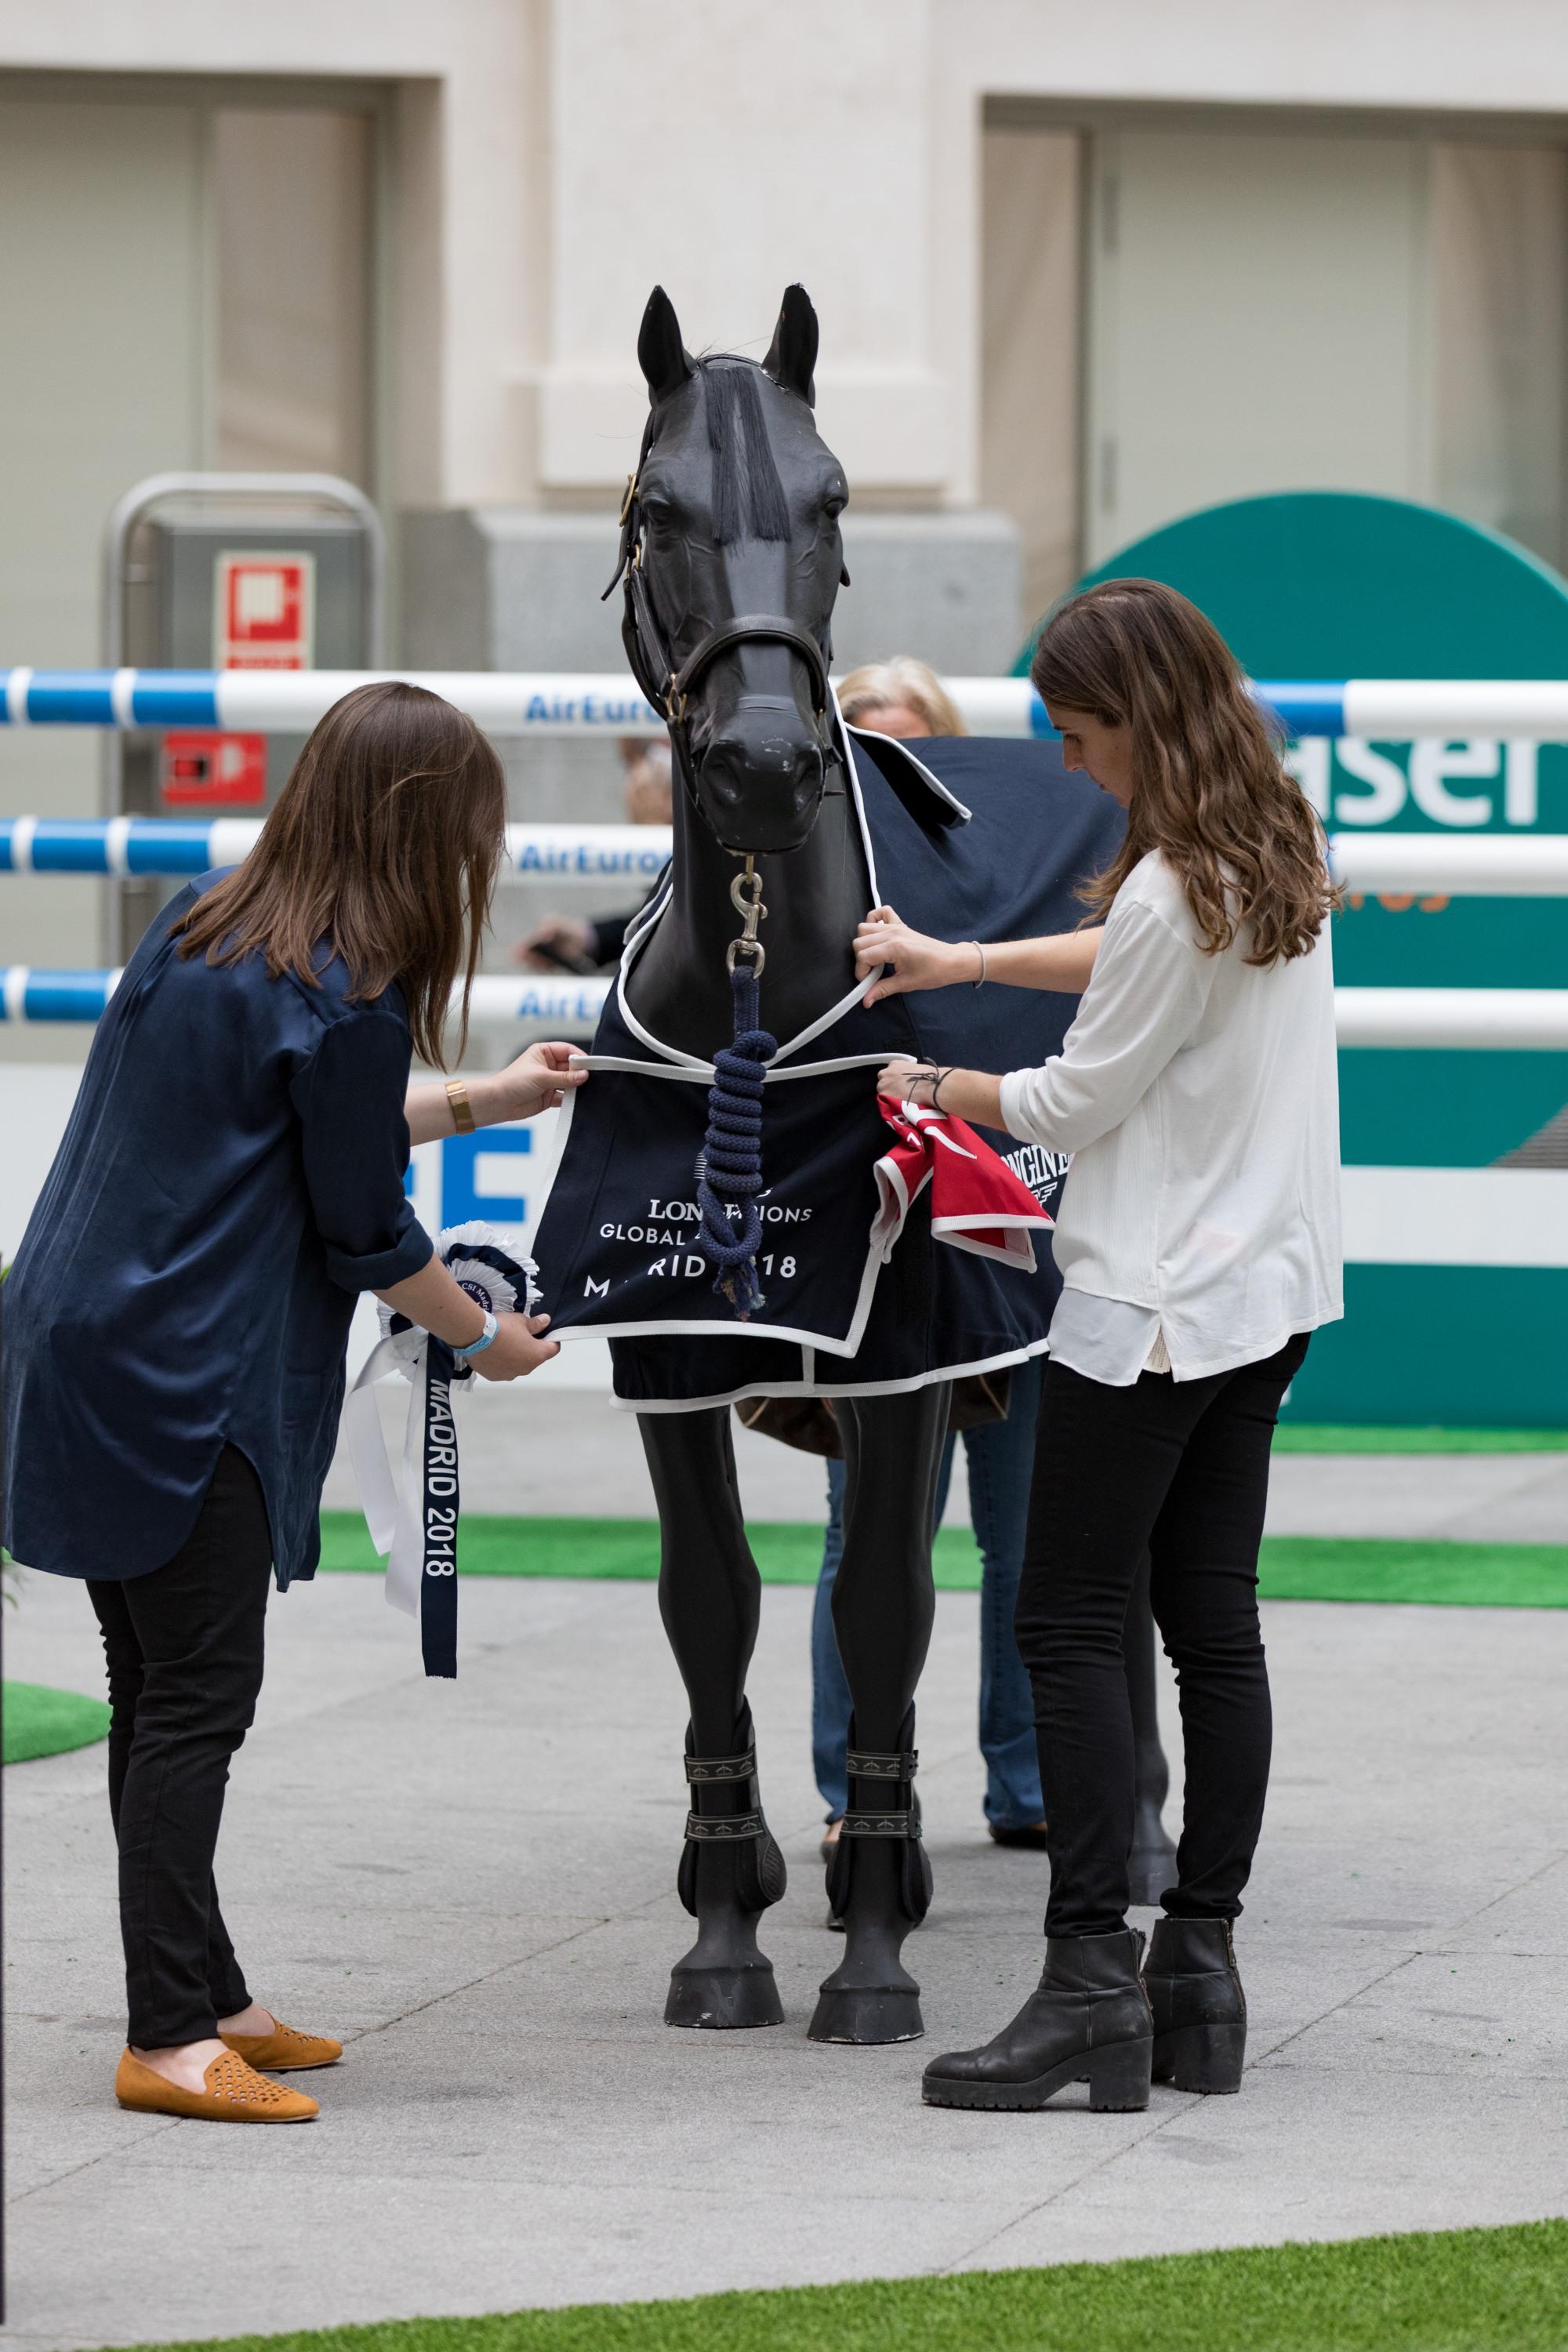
x,y
758,779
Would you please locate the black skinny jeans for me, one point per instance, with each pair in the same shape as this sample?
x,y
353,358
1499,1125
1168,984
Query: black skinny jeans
x,y
1180,1467
185,1648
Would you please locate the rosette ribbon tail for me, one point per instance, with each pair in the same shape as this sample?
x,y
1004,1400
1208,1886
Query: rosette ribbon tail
x,y
413,1517
418,1539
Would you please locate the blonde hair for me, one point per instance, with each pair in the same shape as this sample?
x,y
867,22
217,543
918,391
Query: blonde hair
x,y
903,679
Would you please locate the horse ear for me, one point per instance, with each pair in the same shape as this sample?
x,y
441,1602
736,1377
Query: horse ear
x,y
664,361
792,355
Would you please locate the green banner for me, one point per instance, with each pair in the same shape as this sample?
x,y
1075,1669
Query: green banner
x,y
1457,1163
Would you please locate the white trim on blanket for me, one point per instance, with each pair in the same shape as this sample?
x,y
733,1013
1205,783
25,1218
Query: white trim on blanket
x,y
812,1387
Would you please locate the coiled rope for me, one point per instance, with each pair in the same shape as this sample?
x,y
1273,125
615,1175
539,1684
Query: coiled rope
x,y
730,1165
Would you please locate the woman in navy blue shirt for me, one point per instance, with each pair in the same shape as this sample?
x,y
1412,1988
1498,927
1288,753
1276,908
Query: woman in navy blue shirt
x,y
176,1321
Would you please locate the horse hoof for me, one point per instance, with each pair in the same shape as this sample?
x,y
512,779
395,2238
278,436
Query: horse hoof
x,y
724,2000
867,2014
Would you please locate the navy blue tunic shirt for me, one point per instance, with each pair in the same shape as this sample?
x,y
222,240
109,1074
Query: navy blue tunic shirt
x,y
230,1180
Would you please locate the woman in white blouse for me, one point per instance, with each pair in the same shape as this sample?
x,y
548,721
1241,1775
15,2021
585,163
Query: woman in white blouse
x,y
1199,1244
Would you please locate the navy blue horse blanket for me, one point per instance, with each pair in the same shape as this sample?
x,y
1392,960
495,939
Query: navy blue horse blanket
x,y
968,839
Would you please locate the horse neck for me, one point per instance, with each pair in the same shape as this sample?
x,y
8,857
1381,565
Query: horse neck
x,y
814,897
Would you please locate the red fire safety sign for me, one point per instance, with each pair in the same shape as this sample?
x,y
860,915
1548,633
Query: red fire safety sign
x,y
266,612
201,767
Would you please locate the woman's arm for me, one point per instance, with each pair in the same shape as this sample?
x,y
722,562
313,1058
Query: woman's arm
x,y
433,1300
974,1095
1061,962
1148,995
536,1081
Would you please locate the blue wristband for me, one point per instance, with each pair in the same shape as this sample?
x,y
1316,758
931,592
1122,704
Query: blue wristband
x,y
477,1347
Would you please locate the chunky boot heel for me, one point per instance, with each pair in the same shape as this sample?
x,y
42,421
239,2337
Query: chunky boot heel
x,y
730,1871
1198,2006
1118,2077
879,1885
1086,2022
1207,2058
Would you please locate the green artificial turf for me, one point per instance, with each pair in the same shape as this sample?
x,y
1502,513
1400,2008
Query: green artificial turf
x,y
43,1722
1350,1437
1292,1568
1458,2291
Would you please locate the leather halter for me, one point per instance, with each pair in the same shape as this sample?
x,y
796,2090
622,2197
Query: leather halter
x,y
666,686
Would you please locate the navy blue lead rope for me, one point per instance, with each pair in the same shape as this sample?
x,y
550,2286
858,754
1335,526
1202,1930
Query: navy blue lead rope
x,y
730,1166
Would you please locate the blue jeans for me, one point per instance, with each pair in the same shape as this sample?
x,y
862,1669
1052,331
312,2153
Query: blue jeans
x,y
1001,1463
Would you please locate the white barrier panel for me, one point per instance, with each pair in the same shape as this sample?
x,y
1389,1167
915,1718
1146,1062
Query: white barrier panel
x,y
1500,1020
1472,864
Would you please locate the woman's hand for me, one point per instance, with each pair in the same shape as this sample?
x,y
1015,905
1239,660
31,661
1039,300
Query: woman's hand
x,y
536,1081
904,1081
963,1093
560,943
517,1348
916,961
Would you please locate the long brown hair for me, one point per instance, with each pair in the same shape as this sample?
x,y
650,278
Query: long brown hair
x,y
383,848
1209,790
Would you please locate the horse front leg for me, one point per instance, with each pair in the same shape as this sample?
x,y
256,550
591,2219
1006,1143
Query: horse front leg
x,y
710,1598
883,1604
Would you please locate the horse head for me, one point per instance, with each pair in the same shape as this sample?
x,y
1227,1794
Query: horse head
x,y
732,559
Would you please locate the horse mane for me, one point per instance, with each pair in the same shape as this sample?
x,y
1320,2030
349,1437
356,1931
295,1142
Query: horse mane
x,y
748,496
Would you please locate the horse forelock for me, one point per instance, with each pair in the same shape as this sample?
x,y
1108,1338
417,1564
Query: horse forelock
x,y
749,499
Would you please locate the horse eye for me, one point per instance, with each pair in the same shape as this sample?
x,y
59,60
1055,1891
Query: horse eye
x,y
836,502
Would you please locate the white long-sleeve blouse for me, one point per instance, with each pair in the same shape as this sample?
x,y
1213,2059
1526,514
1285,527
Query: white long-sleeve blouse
x,y
1198,1094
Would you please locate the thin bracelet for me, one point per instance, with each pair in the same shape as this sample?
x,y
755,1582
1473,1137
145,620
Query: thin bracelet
x,y
940,1080
922,1070
981,953
462,1108
477,1347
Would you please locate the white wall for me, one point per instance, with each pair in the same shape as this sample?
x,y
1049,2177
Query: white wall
x,y
559,155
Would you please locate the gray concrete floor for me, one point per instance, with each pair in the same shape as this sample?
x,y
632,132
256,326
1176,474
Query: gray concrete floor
x,y
571,1453
473,1884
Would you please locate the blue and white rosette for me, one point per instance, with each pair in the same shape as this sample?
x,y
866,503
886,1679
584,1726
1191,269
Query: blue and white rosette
x,y
413,1517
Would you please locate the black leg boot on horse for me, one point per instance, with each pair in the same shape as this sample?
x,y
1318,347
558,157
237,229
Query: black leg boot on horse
x,y
709,1595
878,1880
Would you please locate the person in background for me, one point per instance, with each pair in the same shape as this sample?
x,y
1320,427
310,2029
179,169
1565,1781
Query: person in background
x,y
905,698
585,943
1199,1246
176,1321
901,696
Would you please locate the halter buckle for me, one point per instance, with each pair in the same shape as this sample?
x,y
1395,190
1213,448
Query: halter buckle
x,y
746,898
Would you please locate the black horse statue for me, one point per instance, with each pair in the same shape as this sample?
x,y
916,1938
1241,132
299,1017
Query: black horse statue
x,y
730,559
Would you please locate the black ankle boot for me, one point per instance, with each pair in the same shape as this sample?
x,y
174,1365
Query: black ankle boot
x,y
1199,2008
730,1871
1088,2022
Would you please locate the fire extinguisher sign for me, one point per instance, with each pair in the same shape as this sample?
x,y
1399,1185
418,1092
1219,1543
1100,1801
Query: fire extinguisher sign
x,y
265,611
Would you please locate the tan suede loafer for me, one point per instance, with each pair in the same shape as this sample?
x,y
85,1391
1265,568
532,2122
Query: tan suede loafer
x,y
235,2094
284,2051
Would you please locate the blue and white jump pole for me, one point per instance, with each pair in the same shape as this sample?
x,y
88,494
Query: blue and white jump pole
x,y
1463,865
289,702
1513,1020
